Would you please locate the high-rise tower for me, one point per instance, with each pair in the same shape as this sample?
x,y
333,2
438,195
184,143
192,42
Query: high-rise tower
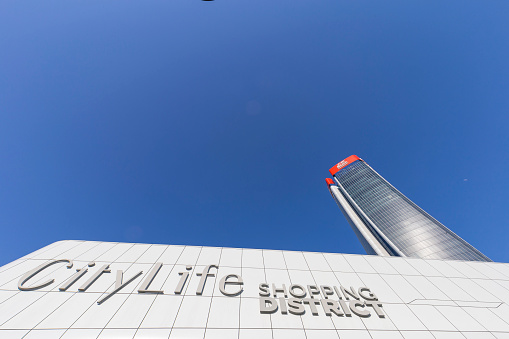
x,y
387,222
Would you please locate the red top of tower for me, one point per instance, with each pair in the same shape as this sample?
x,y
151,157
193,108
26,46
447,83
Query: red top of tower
x,y
329,181
335,169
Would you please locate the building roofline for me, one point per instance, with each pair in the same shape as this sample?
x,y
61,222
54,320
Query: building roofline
x,y
342,164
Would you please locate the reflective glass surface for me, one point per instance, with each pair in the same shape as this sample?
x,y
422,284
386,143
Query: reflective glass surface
x,y
413,231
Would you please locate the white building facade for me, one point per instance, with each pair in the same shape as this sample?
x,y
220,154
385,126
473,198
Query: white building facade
x,y
87,289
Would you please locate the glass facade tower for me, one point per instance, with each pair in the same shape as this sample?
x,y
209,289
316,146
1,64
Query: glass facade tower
x,y
387,222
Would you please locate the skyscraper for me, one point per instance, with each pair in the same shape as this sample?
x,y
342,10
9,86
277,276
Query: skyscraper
x,y
388,223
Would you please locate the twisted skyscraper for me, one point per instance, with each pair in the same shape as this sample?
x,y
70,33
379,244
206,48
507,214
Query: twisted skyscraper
x,y
387,222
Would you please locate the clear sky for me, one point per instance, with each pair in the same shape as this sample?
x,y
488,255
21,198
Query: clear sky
x,y
215,123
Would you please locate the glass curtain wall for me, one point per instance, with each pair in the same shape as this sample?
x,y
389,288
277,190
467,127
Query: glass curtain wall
x,y
411,229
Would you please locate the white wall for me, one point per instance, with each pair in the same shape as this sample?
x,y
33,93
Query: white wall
x,y
421,298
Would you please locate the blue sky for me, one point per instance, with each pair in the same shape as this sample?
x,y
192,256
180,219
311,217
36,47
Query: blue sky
x,y
215,123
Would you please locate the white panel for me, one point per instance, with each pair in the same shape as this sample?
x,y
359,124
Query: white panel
x,y
43,249
452,290
381,265
250,316
348,323
500,267
348,279
478,335
4,295
132,312
274,259
70,311
171,254
379,287
316,322
322,334
252,278
376,323
11,264
163,311
152,333
402,266
402,287
353,334
460,319
487,319
484,291
152,255
189,255
95,252
254,333
97,316
402,317
445,269
503,283
231,257
55,252
288,334
417,335
385,335
36,312
474,289
193,312
78,250
187,333
224,313
82,333
426,288
224,333
44,334
209,256
501,335
493,287
359,264
424,268
223,271
278,278
17,303
448,335
279,320
132,254
502,311
302,278
431,318
14,273
337,262
487,270
252,258
316,262
112,254
295,260
13,334
467,270
117,334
